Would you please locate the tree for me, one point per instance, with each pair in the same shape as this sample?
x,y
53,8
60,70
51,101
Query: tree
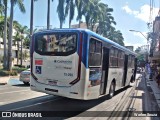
x,y
21,30
31,17
1,7
16,40
5,34
60,11
115,35
79,5
26,42
69,9
48,15
22,9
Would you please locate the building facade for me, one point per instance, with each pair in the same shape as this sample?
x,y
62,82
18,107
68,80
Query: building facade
x,y
155,44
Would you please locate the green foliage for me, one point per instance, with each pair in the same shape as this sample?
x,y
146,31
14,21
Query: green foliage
x,y
7,73
19,69
1,58
14,72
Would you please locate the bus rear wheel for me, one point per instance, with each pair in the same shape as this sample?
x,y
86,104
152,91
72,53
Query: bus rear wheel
x,y
26,83
112,90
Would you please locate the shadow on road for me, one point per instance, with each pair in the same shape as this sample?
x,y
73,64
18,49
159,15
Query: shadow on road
x,y
21,85
57,106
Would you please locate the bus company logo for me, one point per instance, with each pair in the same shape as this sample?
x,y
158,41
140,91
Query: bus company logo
x,y
63,61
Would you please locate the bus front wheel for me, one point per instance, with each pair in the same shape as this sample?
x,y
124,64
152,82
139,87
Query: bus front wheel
x,y
112,90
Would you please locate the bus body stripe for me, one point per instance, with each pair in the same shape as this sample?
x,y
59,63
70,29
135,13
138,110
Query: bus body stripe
x,y
85,50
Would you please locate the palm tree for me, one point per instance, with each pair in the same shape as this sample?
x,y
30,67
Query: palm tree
x,y
1,7
4,3
70,6
22,9
79,5
31,18
60,11
115,35
5,35
21,30
16,40
26,42
48,15
106,23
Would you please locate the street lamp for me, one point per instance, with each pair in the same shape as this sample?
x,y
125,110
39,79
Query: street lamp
x,y
145,38
139,32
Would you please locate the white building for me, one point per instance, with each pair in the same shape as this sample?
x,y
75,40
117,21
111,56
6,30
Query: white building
x,y
14,50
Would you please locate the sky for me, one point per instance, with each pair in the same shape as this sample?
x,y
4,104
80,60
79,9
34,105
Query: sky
x,y
128,14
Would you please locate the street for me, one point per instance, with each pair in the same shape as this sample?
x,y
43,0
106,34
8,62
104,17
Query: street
x,y
15,96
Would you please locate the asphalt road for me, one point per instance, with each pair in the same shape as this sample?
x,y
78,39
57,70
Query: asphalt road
x,y
16,96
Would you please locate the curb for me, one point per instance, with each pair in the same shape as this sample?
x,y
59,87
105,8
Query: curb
x,y
4,80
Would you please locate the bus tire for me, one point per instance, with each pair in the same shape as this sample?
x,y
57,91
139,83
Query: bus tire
x,y
112,90
26,83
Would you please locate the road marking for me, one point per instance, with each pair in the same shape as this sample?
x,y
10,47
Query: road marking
x,y
56,98
15,91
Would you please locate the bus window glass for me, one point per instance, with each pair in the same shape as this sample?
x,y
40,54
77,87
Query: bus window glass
x,y
133,61
95,52
129,61
92,47
59,42
98,47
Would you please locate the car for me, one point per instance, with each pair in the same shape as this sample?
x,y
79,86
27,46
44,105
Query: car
x,y
25,76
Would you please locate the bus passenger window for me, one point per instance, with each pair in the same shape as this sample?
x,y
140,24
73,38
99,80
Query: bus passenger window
x,y
95,52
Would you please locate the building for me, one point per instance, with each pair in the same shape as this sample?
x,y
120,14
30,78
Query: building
x,y
130,47
155,44
84,26
14,50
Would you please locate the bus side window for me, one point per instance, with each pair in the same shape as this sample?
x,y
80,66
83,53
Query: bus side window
x,y
115,58
129,61
95,52
111,56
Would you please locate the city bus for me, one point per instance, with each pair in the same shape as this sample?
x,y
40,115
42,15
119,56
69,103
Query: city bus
x,y
79,64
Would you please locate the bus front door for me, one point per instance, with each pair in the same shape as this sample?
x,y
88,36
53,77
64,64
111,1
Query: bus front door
x,y
105,68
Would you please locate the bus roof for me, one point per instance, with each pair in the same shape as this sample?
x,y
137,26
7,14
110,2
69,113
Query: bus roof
x,y
89,32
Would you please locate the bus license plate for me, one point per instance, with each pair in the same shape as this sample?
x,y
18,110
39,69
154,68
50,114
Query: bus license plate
x,y
52,82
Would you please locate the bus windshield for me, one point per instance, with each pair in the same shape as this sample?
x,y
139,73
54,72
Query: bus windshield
x,y
55,43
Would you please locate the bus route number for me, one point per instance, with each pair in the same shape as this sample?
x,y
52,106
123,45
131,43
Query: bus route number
x,y
68,74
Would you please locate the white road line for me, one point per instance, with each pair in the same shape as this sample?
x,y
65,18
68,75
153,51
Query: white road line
x,y
15,91
57,98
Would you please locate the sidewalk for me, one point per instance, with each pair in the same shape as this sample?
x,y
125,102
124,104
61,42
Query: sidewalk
x,y
156,90
4,80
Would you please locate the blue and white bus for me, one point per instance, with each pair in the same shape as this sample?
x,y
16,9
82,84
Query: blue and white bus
x,y
79,64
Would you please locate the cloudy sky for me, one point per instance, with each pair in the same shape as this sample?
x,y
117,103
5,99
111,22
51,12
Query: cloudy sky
x,y
128,14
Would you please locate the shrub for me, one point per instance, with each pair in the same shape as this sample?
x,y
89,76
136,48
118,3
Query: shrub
x,y
21,66
18,69
7,73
